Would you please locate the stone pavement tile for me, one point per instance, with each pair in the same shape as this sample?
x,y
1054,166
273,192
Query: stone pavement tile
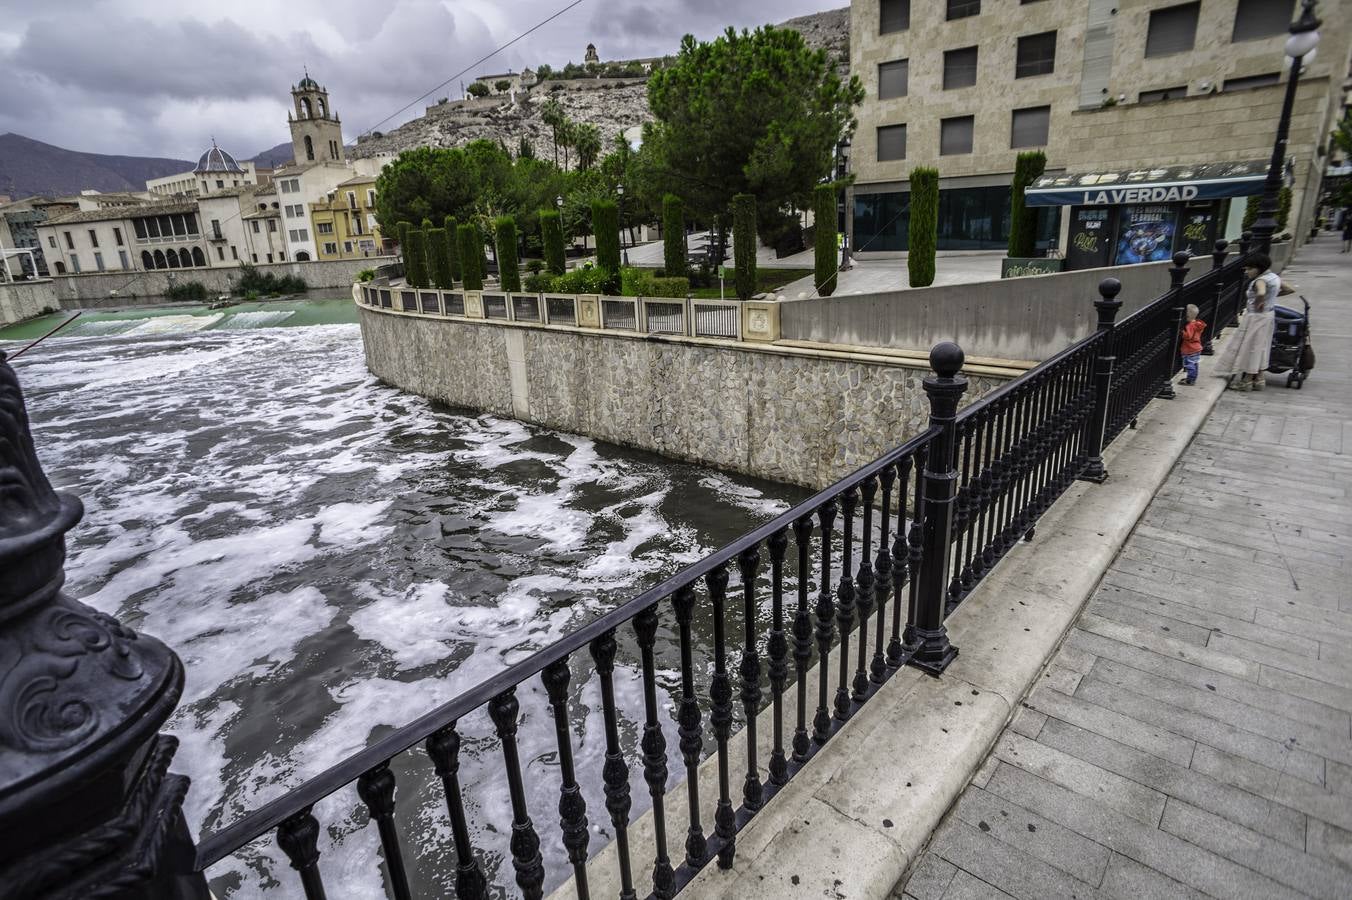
x,y
1295,484
1180,721
1280,862
1236,804
984,773
1032,834
1325,738
1148,544
1306,620
1327,671
1075,660
1172,516
1321,522
1303,686
1150,620
1216,545
1332,843
1222,571
1297,793
1155,849
1061,678
1126,879
931,878
966,886
1335,651
1243,690
1142,590
1205,657
1092,717
1028,722
1016,873
1338,778
1126,796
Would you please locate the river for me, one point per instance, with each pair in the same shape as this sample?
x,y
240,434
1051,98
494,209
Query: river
x,y
332,557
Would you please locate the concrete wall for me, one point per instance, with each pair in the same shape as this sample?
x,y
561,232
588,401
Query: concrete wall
x,y
784,414
76,291
21,300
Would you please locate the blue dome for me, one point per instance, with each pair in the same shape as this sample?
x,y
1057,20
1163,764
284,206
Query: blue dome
x,y
217,160
307,84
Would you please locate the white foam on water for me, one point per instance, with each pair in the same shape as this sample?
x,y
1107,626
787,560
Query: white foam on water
x,y
262,318
414,626
172,324
96,328
745,496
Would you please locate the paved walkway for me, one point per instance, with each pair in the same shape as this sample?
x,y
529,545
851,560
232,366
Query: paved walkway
x,y
1191,738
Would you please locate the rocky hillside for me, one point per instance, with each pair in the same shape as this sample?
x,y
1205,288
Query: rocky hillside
x,y
614,109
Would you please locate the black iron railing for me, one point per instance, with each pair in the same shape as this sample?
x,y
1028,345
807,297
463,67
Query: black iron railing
x,y
913,533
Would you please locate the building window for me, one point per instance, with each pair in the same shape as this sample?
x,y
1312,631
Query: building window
x,y
75,263
892,79
51,239
309,148
281,256
330,248
324,228
272,226
1162,94
286,186
220,253
371,199
1257,19
959,68
255,257
117,236
1252,81
70,241
220,183
1037,55
961,9
98,261
216,228
894,15
891,142
351,199
1172,29
254,223
294,235
122,258
955,135
347,246
1030,126
93,238
233,254
269,257
304,235
198,257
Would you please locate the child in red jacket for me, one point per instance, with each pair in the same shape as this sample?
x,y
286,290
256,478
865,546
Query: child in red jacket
x,y
1190,348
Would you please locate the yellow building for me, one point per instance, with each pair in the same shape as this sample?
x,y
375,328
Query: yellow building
x,y
345,221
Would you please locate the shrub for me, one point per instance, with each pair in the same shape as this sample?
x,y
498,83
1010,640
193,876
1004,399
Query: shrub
x,y
427,223
538,283
586,279
1251,212
744,244
606,227
551,227
503,85
1028,167
924,225
478,89
673,235
438,259
415,259
250,279
366,274
535,266
471,252
187,291
509,267
824,228
450,225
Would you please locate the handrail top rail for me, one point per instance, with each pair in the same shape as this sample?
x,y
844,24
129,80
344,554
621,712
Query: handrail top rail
x,y
262,820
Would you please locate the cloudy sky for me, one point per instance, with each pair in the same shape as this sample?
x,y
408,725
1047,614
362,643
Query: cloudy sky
x,y
160,77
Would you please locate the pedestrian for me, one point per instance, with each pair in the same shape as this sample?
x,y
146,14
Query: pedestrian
x,y
1347,230
1246,352
1190,347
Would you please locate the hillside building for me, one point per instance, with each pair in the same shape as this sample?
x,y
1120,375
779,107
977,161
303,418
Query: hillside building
x,y
1118,93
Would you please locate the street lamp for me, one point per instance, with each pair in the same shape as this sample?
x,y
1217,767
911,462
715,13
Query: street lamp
x,y
619,192
842,160
1300,48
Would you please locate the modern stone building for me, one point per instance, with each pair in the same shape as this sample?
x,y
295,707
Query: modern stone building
x,y
1106,88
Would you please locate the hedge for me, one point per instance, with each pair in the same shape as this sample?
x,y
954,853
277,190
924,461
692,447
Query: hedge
x,y
744,244
438,259
824,225
673,235
509,267
415,259
551,228
924,225
1028,167
643,283
606,227
467,236
451,227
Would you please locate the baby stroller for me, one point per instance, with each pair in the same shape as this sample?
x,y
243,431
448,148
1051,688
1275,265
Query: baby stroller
x,y
1291,350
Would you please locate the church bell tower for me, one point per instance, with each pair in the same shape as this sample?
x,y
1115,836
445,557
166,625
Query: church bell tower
x,y
316,130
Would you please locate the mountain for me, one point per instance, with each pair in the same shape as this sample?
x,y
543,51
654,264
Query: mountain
x,y
29,167
274,156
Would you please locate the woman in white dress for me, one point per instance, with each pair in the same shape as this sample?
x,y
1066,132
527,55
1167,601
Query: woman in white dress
x,y
1246,353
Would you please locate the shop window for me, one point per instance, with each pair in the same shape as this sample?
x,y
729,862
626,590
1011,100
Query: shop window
x,y
892,79
959,68
955,135
1029,127
894,15
1037,55
1172,29
1258,19
891,142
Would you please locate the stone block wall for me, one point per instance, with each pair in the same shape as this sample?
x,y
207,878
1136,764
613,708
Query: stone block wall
x,y
785,414
21,300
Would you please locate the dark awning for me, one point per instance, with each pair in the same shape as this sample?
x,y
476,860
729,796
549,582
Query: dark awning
x,y
1167,184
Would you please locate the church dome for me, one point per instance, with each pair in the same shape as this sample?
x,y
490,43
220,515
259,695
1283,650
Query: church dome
x,y
217,160
307,84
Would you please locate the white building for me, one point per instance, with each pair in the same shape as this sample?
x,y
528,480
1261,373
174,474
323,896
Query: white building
x,y
297,187
161,235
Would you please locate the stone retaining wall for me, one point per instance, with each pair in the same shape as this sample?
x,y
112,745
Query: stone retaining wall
x,y
21,300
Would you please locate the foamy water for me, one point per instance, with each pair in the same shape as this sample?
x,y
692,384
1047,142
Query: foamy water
x,y
332,558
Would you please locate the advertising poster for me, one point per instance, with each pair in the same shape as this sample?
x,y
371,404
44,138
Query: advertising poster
x,y
1145,234
1090,239
1198,232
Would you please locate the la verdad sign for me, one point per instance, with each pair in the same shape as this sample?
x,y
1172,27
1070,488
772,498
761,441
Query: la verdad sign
x,y
1173,194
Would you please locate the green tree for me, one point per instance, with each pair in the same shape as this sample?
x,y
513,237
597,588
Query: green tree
x,y
1342,134
439,260
402,229
478,89
502,85
824,226
551,113
415,259
451,225
673,236
744,242
564,135
587,141
471,254
1028,167
427,223
551,230
525,149
606,224
509,267
756,112
924,225
1251,212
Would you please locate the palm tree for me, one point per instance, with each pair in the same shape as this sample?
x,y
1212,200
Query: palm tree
x,y
587,140
565,138
552,115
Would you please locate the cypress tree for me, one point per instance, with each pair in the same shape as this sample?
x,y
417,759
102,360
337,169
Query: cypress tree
x,y
427,224
924,226
824,223
1028,167
673,236
509,268
551,229
415,259
438,259
403,228
606,226
452,248
470,253
744,243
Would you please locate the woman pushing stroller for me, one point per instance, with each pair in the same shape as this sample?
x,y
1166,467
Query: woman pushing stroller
x,y
1246,353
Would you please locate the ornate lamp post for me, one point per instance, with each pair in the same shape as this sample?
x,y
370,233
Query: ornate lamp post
x,y
619,192
842,163
1300,48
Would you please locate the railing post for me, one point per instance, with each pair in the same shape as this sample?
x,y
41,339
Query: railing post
x,y
1107,306
1245,243
87,804
1177,274
945,388
1213,319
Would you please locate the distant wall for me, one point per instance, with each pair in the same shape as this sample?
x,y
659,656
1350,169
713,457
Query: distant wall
x,y
21,300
